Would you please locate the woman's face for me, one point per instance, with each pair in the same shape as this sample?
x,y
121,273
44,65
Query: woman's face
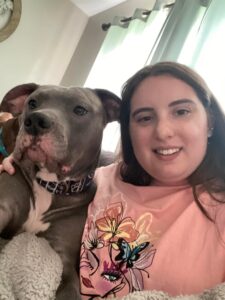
x,y
168,129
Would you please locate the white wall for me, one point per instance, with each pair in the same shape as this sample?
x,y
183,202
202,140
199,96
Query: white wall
x,y
92,38
52,43
41,47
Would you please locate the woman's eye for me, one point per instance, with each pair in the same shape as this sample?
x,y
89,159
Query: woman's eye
x,y
144,119
182,112
80,110
32,103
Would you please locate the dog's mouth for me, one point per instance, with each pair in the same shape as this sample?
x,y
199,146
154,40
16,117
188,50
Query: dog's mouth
x,y
36,154
44,150
42,159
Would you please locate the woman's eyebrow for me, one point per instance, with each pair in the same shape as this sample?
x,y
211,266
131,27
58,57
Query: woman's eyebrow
x,y
142,109
181,101
150,109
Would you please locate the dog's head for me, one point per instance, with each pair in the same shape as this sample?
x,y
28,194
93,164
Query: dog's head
x,y
61,128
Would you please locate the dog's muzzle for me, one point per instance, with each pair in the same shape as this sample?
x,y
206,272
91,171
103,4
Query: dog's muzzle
x,y
37,124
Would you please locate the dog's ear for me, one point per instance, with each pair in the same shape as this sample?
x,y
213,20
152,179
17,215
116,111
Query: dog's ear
x,y
13,101
111,104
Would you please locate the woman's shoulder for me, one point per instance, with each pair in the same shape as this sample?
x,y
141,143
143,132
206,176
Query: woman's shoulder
x,y
214,205
108,170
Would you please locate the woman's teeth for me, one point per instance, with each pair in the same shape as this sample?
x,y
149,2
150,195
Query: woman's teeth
x,y
167,151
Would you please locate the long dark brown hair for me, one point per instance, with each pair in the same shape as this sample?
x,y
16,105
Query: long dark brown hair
x,y
210,174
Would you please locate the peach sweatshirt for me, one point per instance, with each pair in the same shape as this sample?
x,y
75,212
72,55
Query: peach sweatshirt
x,y
144,238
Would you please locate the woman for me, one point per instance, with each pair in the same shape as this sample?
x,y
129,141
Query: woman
x,y
157,218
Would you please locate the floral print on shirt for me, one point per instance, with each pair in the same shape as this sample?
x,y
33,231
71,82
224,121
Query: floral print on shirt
x,y
116,253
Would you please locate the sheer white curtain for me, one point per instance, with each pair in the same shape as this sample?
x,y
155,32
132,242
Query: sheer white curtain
x,y
126,49
209,51
194,35
177,34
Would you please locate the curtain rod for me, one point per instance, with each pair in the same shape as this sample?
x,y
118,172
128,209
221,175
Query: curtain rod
x,y
106,26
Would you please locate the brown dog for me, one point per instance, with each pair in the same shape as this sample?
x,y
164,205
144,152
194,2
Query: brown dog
x,y
56,151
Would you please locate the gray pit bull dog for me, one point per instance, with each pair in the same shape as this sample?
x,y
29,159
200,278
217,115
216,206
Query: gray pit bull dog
x,y
56,153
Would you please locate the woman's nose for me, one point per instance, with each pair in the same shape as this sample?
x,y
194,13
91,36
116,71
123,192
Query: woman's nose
x,y
164,129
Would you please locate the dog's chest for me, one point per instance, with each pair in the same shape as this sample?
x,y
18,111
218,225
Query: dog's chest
x,y
42,202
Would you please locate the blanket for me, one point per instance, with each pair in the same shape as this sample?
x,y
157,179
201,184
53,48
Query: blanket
x,y
31,270
217,293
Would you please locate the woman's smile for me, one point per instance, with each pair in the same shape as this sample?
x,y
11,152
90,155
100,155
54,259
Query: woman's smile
x,y
167,154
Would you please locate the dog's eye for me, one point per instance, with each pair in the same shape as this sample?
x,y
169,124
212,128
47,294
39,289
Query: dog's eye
x,y
32,103
80,110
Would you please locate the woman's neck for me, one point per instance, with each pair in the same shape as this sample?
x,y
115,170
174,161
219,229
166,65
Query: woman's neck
x,y
156,182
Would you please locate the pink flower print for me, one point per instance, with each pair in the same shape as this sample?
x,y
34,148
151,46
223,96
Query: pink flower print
x,y
115,227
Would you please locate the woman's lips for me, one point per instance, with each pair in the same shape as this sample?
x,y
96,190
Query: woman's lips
x,y
167,153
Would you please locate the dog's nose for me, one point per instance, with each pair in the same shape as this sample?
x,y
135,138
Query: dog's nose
x,y
36,124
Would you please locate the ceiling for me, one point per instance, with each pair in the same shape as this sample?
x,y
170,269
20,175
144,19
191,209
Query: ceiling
x,y
93,7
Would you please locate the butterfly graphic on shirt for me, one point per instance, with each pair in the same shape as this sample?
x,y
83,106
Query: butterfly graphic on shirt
x,y
127,254
137,260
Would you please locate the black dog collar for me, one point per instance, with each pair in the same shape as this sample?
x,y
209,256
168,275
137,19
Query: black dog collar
x,y
67,187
